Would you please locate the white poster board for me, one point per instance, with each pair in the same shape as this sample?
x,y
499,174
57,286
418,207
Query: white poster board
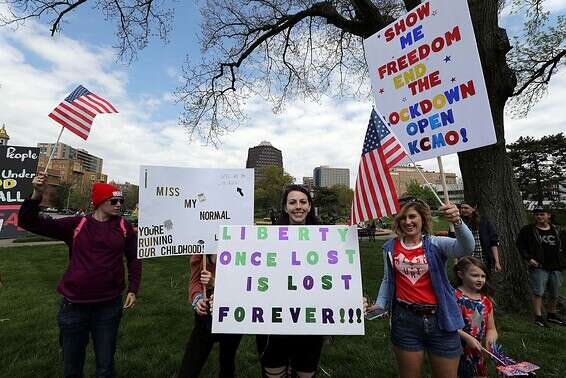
x,y
427,80
291,280
180,209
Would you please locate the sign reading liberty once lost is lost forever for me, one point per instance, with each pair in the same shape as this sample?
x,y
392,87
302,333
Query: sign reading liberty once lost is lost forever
x,y
181,208
301,280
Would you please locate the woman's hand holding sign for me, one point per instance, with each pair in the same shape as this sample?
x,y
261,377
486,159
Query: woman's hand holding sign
x,y
206,278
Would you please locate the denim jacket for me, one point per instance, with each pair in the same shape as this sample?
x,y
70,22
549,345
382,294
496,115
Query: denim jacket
x,y
437,249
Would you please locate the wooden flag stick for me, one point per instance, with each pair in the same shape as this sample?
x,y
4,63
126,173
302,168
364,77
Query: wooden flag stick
x,y
53,149
204,268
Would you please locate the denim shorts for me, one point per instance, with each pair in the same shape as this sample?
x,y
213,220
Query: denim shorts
x,y
542,279
414,333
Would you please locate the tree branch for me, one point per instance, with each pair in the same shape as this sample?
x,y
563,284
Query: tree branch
x,y
540,72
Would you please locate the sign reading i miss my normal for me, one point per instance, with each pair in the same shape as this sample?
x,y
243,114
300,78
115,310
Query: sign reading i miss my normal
x,y
181,208
292,280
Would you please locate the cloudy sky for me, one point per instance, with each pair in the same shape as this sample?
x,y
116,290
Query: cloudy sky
x,y
37,71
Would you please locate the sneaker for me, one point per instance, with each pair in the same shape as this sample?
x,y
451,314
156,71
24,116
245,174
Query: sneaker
x,y
552,318
539,321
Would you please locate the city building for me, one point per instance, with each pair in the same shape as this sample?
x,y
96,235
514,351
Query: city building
x,y
455,191
263,155
325,176
90,162
402,176
308,182
71,172
4,137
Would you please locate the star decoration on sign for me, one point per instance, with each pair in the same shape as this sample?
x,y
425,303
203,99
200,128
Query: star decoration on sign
x,y
434,12
453,79
381,91
404,99
447,59
379,36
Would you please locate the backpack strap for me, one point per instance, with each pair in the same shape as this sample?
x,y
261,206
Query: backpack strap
x,y
83,221
78,228
123,227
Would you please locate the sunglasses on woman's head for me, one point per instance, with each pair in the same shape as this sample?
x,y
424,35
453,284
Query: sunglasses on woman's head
x,y
114,201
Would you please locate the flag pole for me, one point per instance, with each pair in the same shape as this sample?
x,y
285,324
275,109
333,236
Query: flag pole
x,y
444,186
53,149
424,178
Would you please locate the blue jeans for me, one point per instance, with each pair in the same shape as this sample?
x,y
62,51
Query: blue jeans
x,y
76,322
414,333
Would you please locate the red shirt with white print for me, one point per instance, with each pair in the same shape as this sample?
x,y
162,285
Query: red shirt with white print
x,y
412,278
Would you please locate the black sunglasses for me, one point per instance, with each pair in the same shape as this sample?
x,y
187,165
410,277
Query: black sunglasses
x,y
115,201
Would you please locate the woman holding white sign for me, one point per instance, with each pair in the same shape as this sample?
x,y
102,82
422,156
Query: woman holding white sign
x,y
201,340
415,287
278,353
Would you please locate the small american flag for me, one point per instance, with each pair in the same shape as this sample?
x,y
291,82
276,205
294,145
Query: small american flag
x,y
374,194
78,110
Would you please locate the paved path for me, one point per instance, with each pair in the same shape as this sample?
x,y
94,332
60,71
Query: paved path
x,y
5,243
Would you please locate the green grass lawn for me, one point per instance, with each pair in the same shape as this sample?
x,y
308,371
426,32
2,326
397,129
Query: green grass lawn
x,y
153,335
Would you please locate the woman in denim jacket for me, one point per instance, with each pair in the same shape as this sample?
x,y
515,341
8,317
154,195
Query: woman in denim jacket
x,y
415,287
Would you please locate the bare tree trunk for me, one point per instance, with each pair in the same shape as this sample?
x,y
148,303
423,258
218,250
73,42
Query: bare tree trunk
x,y
487,173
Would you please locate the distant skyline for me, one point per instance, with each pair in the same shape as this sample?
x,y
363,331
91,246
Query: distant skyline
x,y
37,71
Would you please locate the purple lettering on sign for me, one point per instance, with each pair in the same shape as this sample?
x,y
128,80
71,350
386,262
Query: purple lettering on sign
x,y
332,257
323,232
295,312
346,278
294,260
283,233
327,316
222,313
225,258
257,315
256,258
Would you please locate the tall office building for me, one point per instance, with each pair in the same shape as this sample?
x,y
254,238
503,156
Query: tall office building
x,y
308,182
90,162
263,155
324,176
71,167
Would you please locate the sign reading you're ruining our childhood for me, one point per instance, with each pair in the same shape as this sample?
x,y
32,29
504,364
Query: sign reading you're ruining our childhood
x,y
427,80
291,280
180,209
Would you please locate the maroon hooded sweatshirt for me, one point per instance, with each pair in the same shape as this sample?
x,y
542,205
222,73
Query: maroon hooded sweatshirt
x,y
96,256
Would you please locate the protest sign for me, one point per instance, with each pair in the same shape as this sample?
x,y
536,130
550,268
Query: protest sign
x,y
181,208
18,168
427,80
292,280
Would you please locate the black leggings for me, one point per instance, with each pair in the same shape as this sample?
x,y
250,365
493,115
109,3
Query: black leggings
x,y
299,352
199,346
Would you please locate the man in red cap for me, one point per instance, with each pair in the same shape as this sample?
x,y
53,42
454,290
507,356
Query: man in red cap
x,y
93,283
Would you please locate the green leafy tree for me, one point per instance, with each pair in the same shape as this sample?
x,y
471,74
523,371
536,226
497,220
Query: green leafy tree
x,y
269,189
333,203
539,166
424,193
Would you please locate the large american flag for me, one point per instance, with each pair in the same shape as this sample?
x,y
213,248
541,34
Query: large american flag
x,y
374,194
77,111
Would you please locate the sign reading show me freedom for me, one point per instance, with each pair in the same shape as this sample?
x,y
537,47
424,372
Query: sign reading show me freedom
x,y
181,208
301,280
427,80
